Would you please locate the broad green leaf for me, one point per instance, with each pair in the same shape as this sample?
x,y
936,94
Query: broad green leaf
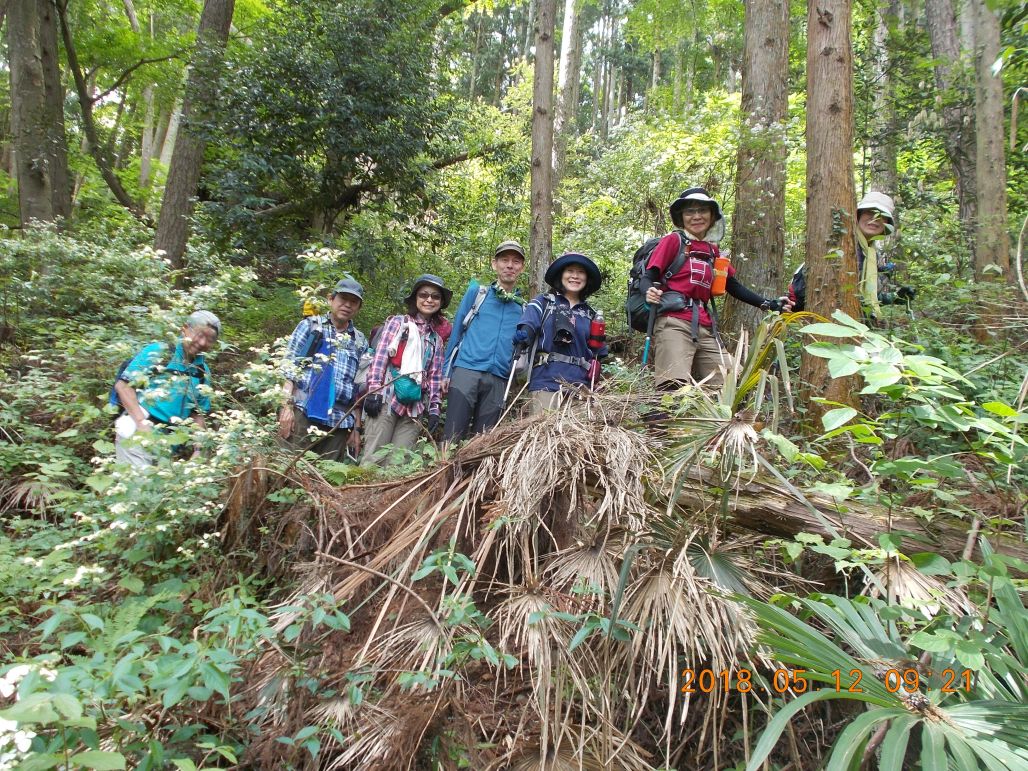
x,y
103,761
835,418
35,708
828,330
999,408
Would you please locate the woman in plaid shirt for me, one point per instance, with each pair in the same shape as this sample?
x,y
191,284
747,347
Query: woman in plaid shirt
x,y
409,353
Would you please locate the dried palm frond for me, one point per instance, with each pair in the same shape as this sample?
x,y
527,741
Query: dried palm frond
x,y
906,585
30,494
580,749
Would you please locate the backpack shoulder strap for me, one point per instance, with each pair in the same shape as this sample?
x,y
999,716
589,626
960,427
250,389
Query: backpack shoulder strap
x,y
679,261
317,335
483,291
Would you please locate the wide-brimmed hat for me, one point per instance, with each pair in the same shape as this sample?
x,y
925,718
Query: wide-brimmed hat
x,y
555,271
883,203
427,279
510,246
349,286
693,194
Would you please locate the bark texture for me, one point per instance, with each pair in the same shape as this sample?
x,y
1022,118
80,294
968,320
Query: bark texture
x,y
173,227
952,83
764,508
37,112
541,243
883,121
567,81
758,240
831,250
992,256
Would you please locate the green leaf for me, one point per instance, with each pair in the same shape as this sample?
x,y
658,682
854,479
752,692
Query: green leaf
x,y
34,708
67,705
828,330
184,764
835,418
999,408
132,584
104,761
93,621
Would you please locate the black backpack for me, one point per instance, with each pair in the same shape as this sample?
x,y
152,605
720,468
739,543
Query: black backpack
x,y
636,307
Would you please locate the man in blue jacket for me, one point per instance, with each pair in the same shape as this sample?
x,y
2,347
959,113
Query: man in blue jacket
x,y
480,352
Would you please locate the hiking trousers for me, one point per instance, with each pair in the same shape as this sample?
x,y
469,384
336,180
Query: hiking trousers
x,y
401,431
330,445
474,403
678,360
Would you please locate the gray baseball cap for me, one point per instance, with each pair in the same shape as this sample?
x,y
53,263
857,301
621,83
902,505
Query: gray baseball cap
x,y
510,246
349,286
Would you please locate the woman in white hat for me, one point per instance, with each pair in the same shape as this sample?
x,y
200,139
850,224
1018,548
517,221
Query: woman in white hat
x,y
876,219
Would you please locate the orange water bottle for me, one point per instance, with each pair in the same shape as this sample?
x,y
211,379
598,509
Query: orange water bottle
x,y
721,263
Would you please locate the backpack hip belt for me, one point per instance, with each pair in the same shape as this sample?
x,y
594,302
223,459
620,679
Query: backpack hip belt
x,y
546,358
695,305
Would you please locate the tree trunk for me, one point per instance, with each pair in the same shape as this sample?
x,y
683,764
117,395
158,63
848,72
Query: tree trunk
x,y
762,506
37,112
883,124
147,142
690,66
676,98
165,145
759,225
541,243
952,85
57,139
501,69
530,30
184,173
831,252
992,256
567,78
476,55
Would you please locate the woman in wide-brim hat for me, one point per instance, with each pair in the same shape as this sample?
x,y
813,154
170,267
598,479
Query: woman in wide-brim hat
x,y
687,347
557,323
405,378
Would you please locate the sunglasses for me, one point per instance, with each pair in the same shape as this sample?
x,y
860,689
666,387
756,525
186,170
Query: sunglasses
x,y
695,211
429,296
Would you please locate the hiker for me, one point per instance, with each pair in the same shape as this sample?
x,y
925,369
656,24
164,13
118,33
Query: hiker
x,y
321,364
406,373
479,356
876,220
556,326
687,345
156,390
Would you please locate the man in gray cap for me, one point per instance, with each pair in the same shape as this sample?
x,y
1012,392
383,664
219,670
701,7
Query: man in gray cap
x,y
320,366
480,350
162,386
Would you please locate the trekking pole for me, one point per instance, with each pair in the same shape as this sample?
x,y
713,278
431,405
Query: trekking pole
x,y
649,332
510,377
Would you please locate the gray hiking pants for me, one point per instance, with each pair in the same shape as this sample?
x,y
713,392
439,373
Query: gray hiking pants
x,y
474,403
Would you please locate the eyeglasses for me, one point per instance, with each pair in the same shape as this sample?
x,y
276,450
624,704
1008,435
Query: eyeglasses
x,y
695,211
430,296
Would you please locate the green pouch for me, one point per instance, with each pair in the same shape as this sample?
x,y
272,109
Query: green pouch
x,y
406,390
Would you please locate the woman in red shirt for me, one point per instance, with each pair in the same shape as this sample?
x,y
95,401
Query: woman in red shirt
x,y
687,346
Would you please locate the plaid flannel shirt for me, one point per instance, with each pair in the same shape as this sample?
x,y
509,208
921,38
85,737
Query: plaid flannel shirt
x,y
431,384
347,347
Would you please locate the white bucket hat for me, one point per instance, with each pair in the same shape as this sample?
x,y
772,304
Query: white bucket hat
x,y
882,203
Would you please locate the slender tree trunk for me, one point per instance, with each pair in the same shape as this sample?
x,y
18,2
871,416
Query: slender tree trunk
x,y
96,148
952,84
992,257
501,69
166,137
173,227
541,244
567,78
831,253
676,97
147,141
883,123
759,225
37,113
476,55
530,29
690,66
